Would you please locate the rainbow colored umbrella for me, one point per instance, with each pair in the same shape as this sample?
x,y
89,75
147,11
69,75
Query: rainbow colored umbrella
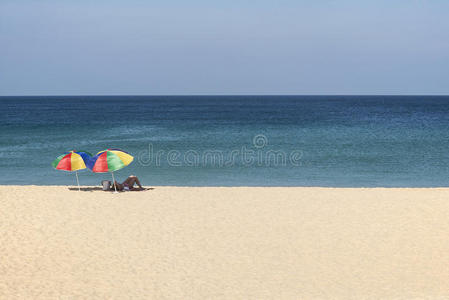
x,y
72,161
109,160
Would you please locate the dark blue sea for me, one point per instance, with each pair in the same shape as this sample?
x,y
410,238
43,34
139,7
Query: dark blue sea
x,y
336,141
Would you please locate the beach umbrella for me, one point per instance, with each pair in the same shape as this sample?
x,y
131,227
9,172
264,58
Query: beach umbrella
x,y
110,160
72,161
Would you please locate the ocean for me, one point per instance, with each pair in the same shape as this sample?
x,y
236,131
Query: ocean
x,y
331,141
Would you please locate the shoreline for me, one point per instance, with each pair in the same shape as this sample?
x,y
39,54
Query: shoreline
x,y
224,243
232,187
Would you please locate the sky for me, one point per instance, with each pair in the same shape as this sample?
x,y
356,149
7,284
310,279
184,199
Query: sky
x,y
232,47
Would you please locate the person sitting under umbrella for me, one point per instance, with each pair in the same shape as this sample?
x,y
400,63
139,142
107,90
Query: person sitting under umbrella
x,y
128,184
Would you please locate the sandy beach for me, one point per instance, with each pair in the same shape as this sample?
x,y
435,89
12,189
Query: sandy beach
x,y
224,243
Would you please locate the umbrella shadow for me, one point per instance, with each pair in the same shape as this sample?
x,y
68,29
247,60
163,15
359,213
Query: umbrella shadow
x,y
97,188
85,189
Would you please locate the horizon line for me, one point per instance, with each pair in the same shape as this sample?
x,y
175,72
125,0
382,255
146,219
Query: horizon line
x,y
222,95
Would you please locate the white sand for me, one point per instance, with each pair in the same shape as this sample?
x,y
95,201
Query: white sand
x,y
224,243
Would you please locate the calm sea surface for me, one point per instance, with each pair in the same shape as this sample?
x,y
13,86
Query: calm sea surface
x,y
350,141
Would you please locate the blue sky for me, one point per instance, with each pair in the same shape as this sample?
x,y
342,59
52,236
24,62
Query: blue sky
x,y
224,47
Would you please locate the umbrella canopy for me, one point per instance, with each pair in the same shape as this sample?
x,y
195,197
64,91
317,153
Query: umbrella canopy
x,y
109,160
72,161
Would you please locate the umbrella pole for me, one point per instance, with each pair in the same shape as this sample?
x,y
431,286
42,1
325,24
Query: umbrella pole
x,y
77,181
113,182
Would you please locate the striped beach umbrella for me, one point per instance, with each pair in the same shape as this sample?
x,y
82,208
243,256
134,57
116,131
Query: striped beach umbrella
x,y
72,161
109,160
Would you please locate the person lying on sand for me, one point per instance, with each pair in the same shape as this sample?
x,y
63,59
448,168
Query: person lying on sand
x,y
128,184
